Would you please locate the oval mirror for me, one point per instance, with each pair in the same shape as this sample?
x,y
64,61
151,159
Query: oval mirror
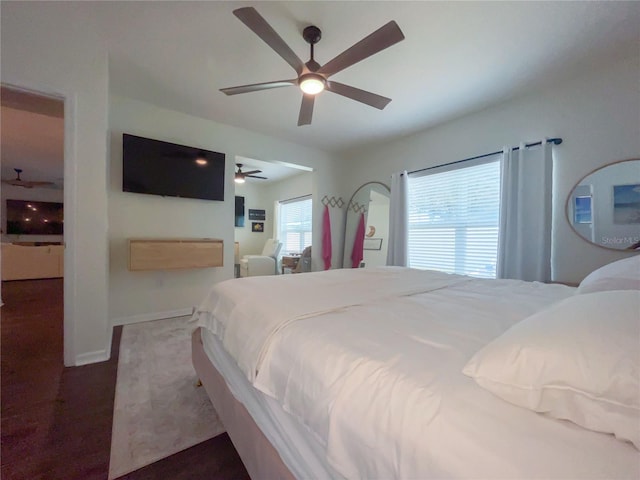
x,y
366,231
604,207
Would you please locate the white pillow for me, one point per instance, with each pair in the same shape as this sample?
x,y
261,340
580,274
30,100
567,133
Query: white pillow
x,y
621,275
578,360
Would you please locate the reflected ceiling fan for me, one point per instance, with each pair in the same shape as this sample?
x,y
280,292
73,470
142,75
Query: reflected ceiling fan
x,y
312,77
240,175
18,182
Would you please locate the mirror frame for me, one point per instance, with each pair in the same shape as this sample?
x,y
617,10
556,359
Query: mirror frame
x,y
346,216
567,205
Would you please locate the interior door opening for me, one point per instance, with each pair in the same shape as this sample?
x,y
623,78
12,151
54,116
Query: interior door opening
x,y
32,208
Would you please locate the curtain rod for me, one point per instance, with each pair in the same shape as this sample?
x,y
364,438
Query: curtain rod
x,y
287,200
555,141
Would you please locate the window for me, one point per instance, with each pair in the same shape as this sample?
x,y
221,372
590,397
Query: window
x,y
454,218
294,224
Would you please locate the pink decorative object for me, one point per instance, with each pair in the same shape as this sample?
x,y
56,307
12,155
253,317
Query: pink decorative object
x,y
358,244
326,238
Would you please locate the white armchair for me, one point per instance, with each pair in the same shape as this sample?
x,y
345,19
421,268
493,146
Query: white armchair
x,y
264,264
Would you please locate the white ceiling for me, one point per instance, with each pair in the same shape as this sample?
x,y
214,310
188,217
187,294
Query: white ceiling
x,y
457,57
33,142
274,172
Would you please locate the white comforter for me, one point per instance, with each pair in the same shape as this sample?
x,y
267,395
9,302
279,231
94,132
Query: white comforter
x,y
373,369
246,313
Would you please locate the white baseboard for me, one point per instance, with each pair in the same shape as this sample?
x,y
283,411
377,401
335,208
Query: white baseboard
x,y
104,355
146,317
92,357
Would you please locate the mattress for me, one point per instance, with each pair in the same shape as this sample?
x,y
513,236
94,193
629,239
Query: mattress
x,y
300,451
369,365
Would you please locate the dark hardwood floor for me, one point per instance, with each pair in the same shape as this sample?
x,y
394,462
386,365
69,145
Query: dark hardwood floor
x,y
56,421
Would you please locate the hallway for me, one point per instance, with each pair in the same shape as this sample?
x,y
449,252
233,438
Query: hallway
x,y
56,422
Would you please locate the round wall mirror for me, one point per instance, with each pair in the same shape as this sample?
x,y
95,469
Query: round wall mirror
x,y
604,207
366,230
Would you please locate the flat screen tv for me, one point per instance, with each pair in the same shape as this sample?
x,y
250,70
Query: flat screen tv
x,y
161,168
239,211
26,217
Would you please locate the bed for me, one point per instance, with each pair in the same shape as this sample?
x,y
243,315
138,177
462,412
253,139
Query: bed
x,y
394,372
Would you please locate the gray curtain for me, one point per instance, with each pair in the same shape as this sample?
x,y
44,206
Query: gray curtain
x,y
398,251
524,245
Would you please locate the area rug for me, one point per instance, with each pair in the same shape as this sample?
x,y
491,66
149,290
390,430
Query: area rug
x,y
158,408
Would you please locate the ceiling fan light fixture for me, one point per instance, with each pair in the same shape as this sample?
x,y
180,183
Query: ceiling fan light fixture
x,y
239,178
201,159
312,83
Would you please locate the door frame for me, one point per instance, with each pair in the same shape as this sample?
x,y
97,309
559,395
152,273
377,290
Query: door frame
x,y
69,202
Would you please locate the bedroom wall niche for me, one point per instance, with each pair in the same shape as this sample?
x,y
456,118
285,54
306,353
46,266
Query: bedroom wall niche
x,y
370,204
256,196
604,206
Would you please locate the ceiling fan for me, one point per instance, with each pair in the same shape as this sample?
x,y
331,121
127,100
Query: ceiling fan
x,y
312,77
240,175
18,182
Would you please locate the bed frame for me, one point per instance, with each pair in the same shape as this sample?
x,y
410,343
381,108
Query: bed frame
x,y
260,458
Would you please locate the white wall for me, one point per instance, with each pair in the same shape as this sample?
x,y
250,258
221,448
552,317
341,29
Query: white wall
x,y
292,187
262,196
598,116
35,194
50,47
137,296
256,197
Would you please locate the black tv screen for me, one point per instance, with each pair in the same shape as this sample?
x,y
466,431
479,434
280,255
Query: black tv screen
x,y
161,168
26,217
239,211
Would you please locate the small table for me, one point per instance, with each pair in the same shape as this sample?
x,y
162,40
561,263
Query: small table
x,y
290,262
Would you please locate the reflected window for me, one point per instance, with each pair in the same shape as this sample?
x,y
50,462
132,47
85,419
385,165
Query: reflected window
x,y
583,210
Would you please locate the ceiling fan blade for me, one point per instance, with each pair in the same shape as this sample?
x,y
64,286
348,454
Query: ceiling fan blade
x,y
258,86
384,37
255,176
252,19
306,110
252,172
371,99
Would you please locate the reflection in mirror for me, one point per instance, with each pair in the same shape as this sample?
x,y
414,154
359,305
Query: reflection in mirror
x,y
366,232
604,207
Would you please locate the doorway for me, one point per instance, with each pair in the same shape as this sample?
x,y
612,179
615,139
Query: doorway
x,y
260,186
32,200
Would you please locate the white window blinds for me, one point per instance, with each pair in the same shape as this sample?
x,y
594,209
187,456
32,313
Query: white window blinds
x,y
454,218
294,224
